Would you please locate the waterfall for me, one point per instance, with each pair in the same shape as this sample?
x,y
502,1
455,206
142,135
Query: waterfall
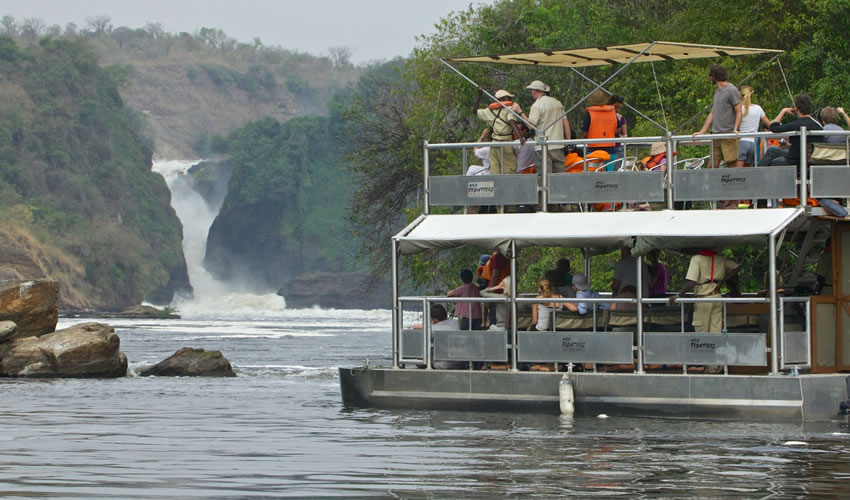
x,y
212,297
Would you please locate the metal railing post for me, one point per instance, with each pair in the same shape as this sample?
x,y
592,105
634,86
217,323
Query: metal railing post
x,y
774,334
545,166
671,161
426,330
396,313
804,174
425,190
639,283
513,308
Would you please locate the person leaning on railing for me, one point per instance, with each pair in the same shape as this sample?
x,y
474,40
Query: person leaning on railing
x,y
502,124
803,109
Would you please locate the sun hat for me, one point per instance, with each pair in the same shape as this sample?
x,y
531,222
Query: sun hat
x,y
657,148
538,85
580,282
503,93
598,98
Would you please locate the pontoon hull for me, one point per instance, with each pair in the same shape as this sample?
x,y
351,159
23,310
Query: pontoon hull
x,y
732,397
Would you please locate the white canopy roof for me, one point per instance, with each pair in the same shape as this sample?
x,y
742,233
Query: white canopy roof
x,y
617,54
669,229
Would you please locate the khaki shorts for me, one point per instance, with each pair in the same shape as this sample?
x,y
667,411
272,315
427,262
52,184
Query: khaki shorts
x,y
726,149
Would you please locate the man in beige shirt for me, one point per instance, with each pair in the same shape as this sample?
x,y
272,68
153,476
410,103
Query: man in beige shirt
x,y
707,272
545,110
502,124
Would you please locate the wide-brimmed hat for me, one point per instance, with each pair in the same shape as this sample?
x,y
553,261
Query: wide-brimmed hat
x,y
580,282
598,98
538,85
657,148
503,93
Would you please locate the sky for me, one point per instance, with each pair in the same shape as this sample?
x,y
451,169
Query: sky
x,y
372,29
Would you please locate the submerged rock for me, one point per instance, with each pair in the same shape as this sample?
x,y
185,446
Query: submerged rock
x,y
84,350
188,362
31,304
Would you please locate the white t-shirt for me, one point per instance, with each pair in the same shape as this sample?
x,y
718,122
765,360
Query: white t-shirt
x,y
525,156
624,273
483,154
750,122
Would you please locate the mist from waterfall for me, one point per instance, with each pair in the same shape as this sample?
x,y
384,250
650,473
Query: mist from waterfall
x,y
211,297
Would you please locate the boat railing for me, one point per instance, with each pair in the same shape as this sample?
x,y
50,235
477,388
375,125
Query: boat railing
x,y
650,334
664,188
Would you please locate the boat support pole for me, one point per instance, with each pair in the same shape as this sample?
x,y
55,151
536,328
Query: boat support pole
x,y
671,153
491,96
804,169
396,312
774,334
425,191
639,283
513,308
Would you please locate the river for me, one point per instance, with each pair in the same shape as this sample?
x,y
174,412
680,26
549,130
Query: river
x,y
279,429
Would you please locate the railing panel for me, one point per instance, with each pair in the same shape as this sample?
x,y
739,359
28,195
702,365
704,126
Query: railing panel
x,y
576,347
477,190
735,183
795,346
830,181
474,345
411,344
738,349
596,187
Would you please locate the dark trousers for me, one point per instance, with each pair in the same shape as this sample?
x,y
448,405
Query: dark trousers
x,y
464,324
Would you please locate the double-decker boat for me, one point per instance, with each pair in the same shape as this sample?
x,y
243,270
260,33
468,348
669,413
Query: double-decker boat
x,y
784,355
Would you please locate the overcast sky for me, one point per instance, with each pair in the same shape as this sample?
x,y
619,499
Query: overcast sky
x,y
373,29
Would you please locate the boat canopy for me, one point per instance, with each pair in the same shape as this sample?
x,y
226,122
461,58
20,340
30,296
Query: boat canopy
x,y
617,54
665,229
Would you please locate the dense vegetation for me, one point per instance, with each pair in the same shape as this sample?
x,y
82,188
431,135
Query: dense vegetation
x,y
75,174
285,209
398,106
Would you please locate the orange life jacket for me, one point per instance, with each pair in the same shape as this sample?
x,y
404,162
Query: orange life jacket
x,y
603,124
495,105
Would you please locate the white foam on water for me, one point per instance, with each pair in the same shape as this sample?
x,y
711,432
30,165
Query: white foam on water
x,y
795,443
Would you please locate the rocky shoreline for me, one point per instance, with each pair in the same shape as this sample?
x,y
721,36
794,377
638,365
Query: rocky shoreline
x,y
30,345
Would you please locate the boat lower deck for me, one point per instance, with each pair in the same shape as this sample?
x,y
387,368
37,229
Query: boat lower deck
x,y
758,397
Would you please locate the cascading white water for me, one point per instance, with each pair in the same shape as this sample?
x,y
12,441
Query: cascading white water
x,y
212,297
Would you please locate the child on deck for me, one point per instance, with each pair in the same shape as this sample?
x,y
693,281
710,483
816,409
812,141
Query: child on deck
x,y
467,312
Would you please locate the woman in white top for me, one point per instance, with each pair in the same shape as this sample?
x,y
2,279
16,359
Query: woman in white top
x,y
751,116
541,314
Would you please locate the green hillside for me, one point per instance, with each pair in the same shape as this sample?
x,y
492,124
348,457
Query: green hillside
x,y
75,176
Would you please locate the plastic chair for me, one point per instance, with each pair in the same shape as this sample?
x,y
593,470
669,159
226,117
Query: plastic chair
x,y
691,163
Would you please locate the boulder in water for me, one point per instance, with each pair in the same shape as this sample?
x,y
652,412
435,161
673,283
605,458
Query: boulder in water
x,y
188,362
84,350
31,305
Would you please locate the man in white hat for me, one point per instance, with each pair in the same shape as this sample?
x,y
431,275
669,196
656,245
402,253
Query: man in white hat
x,y
502,125
545,110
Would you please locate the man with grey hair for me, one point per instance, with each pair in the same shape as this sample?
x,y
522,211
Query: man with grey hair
x,y
548,111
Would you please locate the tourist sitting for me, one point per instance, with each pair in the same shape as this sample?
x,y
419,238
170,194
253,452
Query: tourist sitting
x,y
440,322
483,154
830,117
803,109
469,313
581,288
543,314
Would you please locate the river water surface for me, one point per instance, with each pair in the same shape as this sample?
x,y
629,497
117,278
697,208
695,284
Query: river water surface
x,y
279,429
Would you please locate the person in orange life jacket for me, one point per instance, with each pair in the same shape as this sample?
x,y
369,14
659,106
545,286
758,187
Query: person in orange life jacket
x,y
657,158
600,121
502,124
707,272
545,110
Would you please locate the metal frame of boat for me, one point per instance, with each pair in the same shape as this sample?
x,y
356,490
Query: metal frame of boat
x,y
782,361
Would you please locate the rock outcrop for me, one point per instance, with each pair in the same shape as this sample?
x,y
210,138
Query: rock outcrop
x,y
31,305
335,291
189,362
84,350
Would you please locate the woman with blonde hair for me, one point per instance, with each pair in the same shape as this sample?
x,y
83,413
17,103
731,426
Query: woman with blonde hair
x,y
542,314
751,116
